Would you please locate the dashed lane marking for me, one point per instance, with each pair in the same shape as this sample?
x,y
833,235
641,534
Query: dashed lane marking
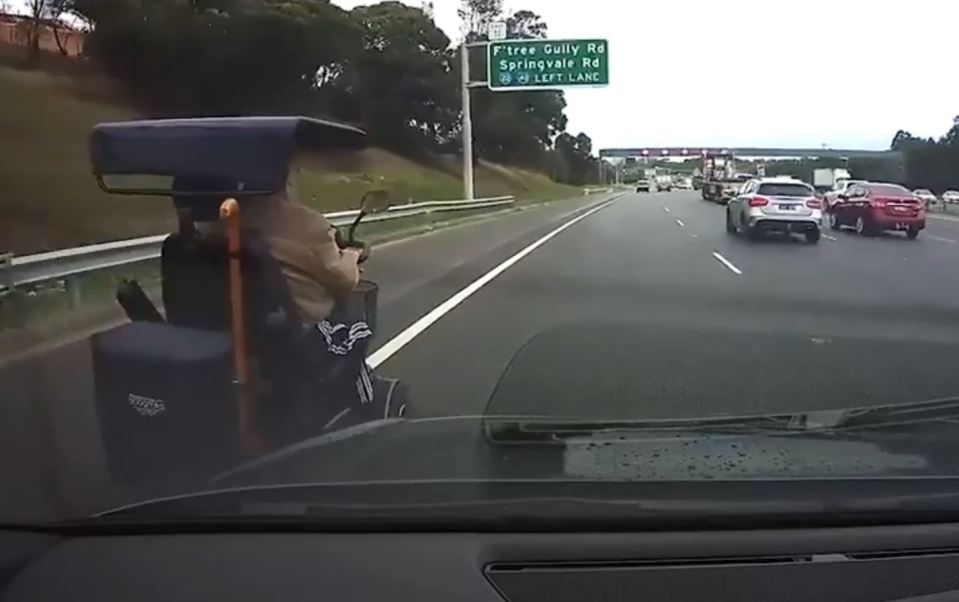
x,y
729,265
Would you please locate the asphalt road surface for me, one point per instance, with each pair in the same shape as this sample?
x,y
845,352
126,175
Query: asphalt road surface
x,y
610,306
647,308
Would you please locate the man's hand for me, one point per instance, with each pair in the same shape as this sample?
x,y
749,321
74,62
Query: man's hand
x,y
351,253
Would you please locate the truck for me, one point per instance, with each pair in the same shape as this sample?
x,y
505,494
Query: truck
x,y
719,178
664,182
828,178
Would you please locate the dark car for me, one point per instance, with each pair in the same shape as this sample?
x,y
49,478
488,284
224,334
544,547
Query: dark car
x,y
872,208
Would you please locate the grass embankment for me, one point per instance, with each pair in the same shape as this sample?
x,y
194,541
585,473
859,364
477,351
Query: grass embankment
x,y
49,199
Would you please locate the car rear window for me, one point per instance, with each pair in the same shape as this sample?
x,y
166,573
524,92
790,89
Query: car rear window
x,y
785,189
891,190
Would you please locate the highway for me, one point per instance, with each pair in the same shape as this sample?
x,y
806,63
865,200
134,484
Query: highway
x,y
647,308
604,307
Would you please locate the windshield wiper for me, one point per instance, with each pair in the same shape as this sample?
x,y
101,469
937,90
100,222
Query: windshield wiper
x,y
553,430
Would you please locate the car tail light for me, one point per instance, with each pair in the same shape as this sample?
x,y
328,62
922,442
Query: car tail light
x,y
814,204
758,201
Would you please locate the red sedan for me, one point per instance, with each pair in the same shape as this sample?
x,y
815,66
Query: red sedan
x,y
873,208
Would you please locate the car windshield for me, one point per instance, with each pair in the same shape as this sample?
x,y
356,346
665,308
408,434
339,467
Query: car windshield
x,y
785,189
382,260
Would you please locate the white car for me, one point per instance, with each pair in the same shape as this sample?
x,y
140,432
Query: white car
x,y
925,195
841,188
950,196
784,205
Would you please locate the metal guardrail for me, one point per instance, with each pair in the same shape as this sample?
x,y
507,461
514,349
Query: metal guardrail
x,y
594,190
69,264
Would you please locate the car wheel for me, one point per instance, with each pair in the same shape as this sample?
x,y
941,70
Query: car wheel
x,y
812,236
862,228
912,233
730,228
834,222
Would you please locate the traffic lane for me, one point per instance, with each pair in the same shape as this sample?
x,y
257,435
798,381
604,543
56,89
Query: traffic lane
x,y
859,272
943,229
650,325
844,271
416,274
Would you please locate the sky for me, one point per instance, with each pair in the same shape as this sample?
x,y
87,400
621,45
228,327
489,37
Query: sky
x,y
783,73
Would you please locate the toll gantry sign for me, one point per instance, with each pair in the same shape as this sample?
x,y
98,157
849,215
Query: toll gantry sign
x,y
532,64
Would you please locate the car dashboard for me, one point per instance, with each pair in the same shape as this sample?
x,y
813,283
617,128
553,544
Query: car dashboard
x,y
905,563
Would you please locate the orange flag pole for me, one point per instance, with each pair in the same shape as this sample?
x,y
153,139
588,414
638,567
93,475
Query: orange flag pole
x,y
230,213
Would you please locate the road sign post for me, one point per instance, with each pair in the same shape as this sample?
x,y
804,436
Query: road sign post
x,y
468,190
537,64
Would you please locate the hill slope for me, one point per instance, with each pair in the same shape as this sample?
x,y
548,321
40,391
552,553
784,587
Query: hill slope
x,y
49,200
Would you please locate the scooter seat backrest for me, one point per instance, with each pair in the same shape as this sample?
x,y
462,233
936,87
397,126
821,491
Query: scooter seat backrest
x,y
195,277
195,272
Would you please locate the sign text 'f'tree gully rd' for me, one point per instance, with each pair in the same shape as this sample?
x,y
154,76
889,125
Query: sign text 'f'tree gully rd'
x,y
526,64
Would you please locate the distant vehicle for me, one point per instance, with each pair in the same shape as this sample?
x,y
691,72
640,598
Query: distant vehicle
x,y
829,178
841,187
642,185
664,182
950,196
874,207
783,205
719,177
926,196
683,183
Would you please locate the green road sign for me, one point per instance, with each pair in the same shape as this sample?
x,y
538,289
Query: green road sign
x,y
531,64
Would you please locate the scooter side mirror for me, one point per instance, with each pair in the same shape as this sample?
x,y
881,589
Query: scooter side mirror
x,y
375,201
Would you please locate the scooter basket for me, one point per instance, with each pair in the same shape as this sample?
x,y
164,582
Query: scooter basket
x,y
165,401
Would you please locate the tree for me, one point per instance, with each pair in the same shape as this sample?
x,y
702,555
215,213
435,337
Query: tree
x,y
400,85
901,140
38,10
223,57
951,138
525,24
476,15
576,156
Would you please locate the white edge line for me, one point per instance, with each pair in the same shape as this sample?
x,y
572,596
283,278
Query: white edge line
x,y
680,223
939,238
732,268
392,346
827,237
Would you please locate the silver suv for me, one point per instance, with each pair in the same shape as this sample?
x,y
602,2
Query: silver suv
x,y
782,205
